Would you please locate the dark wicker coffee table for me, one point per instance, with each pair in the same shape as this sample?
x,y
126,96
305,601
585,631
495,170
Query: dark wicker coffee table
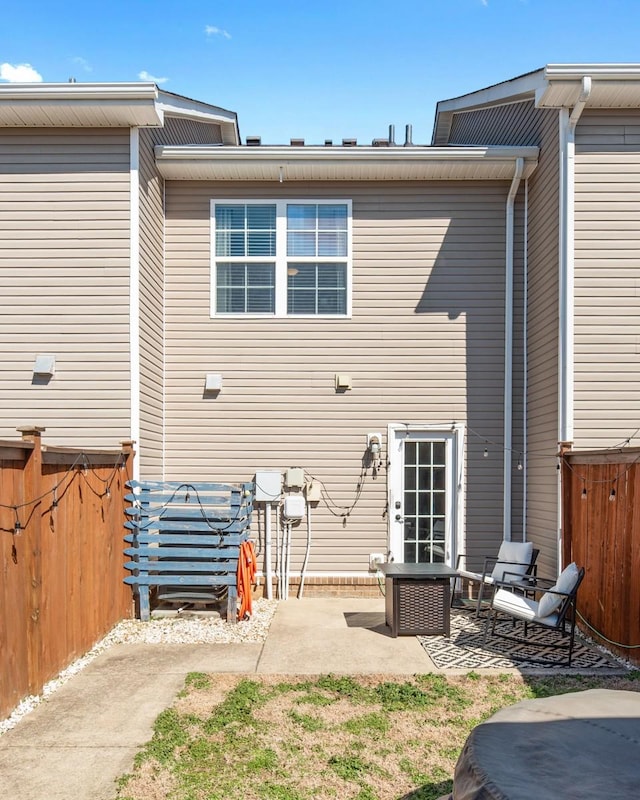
x,y
418,598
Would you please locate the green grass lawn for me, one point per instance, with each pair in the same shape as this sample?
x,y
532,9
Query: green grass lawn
x,y
363,738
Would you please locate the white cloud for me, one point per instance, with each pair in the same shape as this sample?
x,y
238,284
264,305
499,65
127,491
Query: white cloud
x,y
82,63
146,76
485,2
19,73
212,30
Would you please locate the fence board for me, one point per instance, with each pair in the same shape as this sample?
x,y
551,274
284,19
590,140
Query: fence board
x,y
601,531
62,576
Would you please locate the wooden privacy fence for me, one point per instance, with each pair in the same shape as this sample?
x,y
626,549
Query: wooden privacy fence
x,y
601,531
185,541
61,589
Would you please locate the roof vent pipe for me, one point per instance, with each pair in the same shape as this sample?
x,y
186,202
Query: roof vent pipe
x,y
408,132
392,134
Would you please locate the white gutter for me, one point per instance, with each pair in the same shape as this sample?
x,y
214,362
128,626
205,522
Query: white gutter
x,y
508,350
566,313
102,92
283,154
613,71
134,293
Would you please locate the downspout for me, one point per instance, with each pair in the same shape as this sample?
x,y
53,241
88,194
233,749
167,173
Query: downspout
x,y
508,350
568,125
567,253
134,295
525,355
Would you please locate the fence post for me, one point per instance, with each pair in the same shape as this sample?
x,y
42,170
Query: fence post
x,y
128,452
30,518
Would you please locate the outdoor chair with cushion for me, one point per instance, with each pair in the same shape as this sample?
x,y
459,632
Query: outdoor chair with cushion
x,y
514,558
554,610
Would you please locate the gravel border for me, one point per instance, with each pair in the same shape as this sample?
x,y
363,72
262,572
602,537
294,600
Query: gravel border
x,y
185,628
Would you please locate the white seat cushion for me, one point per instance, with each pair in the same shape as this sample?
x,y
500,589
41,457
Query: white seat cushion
x,y
521,607
550,602
512,557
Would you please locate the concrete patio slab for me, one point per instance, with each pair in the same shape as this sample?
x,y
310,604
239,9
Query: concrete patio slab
x,y
338,635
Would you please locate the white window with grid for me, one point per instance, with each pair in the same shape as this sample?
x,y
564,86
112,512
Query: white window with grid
x,y
281,258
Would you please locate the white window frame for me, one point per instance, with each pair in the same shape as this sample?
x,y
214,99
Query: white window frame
x,y
281,257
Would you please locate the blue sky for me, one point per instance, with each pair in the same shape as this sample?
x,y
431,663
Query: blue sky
x,y
319,71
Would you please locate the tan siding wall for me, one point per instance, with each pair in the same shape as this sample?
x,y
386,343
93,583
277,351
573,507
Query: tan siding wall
x,y
64,281
151,310
523,124
425,344
175,131
511,124
607,295
542,491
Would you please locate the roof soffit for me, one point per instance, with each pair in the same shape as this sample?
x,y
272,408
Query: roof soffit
x,y
136,104
220,163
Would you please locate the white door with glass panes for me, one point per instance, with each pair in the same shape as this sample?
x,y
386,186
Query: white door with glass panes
x,y
425,493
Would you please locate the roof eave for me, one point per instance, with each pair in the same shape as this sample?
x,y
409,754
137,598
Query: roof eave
x,y
553,86
335,163
135,104
79,104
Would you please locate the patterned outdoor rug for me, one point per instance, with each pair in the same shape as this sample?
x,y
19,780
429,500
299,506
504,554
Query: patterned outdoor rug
x,y
464,649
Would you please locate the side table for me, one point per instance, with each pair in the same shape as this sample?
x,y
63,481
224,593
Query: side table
x,y
418,598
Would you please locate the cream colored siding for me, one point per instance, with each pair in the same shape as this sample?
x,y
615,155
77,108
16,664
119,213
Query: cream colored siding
x,y
520,124
510,124
151,310
424,344
64,282
175,131
607,278
542,428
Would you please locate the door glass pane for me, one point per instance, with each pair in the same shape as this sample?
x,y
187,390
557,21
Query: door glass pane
x,y
439,477
410,452
409,552
424,502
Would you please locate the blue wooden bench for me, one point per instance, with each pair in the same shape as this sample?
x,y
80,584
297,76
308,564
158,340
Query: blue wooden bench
x,y
185,540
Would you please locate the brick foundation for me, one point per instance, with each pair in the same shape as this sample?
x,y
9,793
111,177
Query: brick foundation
x,y
328,587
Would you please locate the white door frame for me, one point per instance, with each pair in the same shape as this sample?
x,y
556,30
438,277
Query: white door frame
x,y
453,437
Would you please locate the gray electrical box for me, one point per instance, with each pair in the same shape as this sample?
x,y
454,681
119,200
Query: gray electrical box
x,y
268,485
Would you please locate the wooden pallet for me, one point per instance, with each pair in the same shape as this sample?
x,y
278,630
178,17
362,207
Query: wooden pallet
x,y
185,540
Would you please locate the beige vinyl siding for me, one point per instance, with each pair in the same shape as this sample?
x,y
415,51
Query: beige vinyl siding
x,y
607,278
542,404
424,344
175,131
509,124
151,311
64,282
522,124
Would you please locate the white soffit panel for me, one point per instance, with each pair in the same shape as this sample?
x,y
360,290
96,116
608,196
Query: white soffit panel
x,y
267,163
79,105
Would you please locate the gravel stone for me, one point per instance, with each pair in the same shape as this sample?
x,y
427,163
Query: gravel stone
x,y
184,628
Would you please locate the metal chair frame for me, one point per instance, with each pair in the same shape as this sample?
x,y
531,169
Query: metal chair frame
x,y
566,614
484,578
